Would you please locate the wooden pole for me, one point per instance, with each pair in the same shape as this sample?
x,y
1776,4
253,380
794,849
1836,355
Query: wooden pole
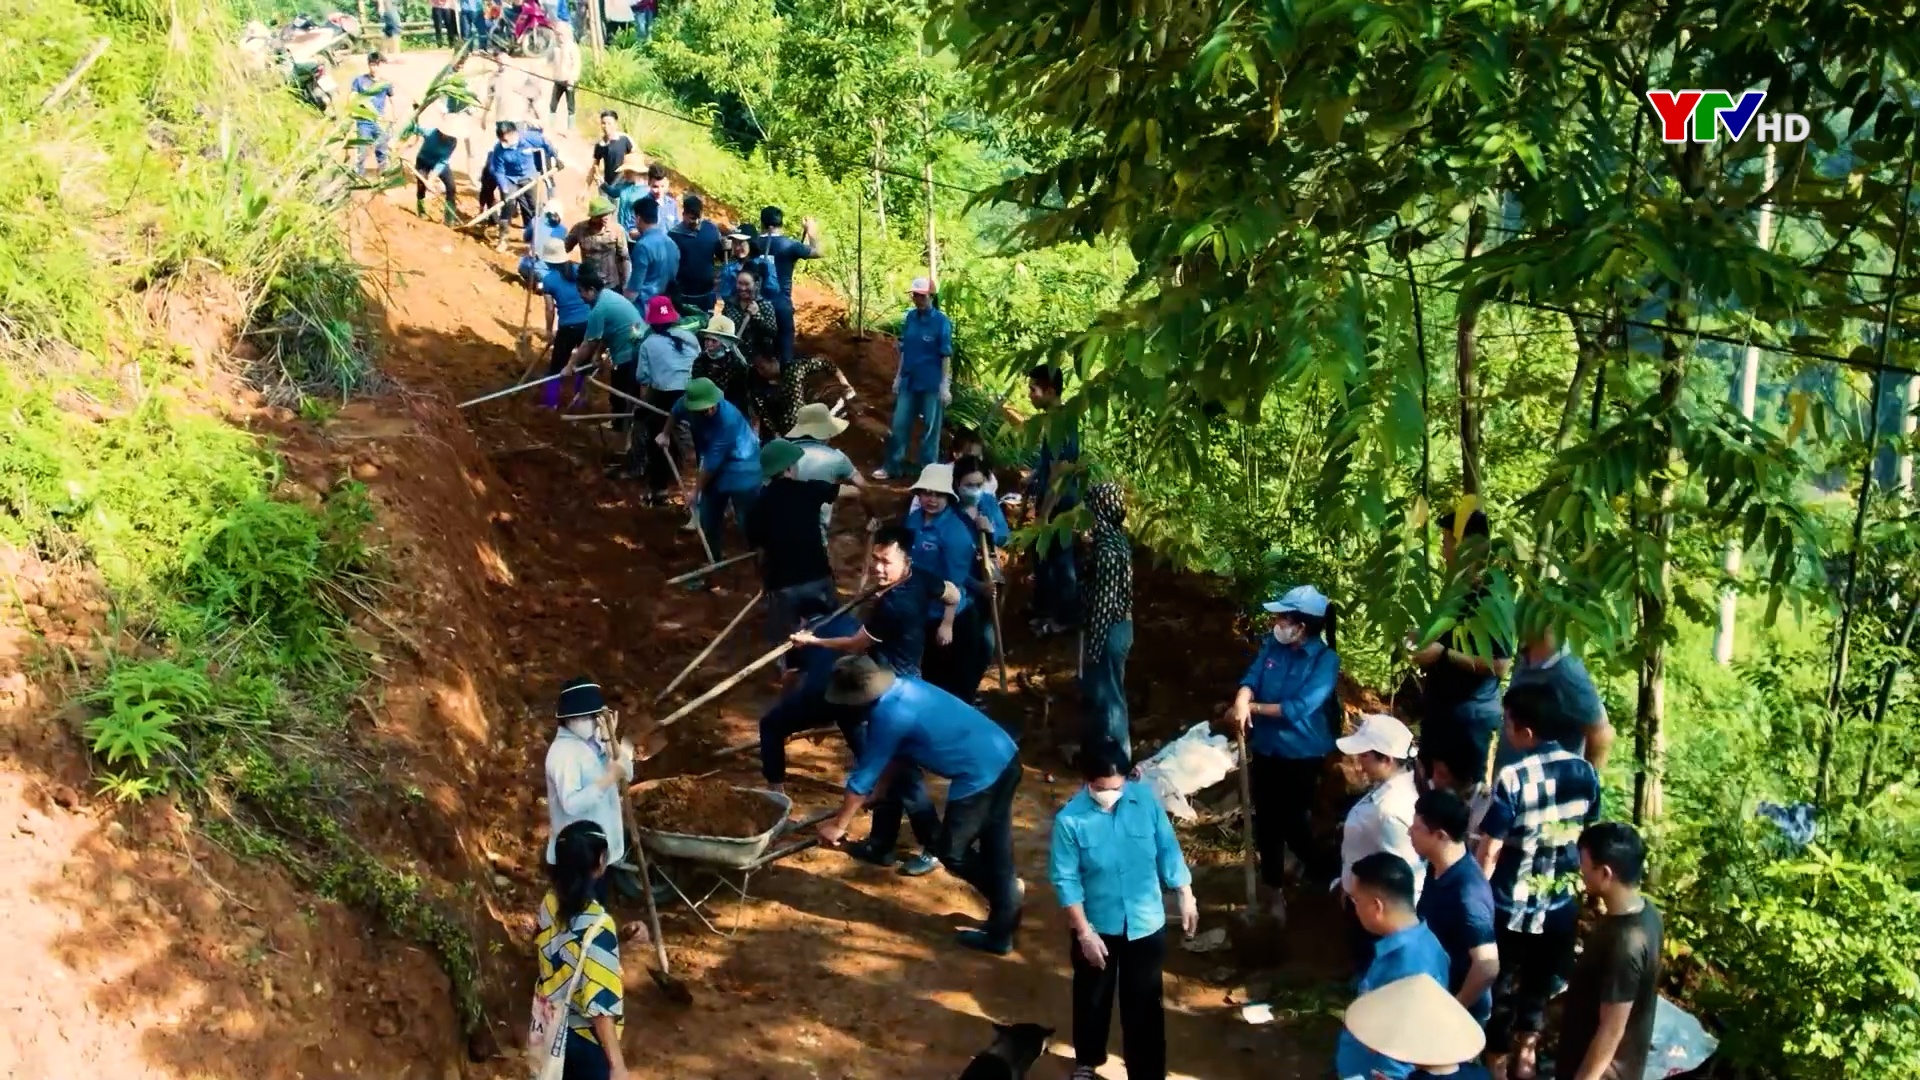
x,y
993,596
710,567
624,396
712,645
511,390
73,77
595,32
502,204
734,680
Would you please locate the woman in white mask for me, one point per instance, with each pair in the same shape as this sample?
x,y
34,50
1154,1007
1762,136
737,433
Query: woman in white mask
x,y
1114,853
584,774
1286,705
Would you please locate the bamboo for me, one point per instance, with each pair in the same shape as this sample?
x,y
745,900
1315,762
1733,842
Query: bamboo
x,y
712,645
73,77
703,571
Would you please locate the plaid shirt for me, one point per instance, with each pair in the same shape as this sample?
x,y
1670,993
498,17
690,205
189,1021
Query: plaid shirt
x,y
1540,805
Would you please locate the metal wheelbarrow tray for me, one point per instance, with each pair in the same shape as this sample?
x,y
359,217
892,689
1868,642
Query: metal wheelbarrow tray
x,y
732,852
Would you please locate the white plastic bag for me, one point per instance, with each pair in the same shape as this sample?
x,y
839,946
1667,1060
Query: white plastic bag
x,y
1195,761
1680,1044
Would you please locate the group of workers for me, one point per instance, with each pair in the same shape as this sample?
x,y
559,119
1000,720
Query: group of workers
x,y
1460,868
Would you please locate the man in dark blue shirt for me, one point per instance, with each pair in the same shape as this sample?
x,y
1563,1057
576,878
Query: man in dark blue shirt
x,y
509,167
1054,489
699,242
894,635
786,253
803,706
1457,904
914,724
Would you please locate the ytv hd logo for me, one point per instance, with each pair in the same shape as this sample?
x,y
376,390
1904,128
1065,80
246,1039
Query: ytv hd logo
x,y
1700,114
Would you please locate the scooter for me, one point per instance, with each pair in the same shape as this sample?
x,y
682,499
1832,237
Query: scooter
x,y
530,30
312,82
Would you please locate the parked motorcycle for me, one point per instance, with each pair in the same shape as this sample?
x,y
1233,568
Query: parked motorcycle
x,y
527,30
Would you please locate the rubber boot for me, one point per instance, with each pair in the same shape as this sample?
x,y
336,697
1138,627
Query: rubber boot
x,y
420,207
449,216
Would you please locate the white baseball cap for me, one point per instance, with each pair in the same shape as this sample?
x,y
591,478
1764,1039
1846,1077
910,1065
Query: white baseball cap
x,y
1381,734
1304,599
921,286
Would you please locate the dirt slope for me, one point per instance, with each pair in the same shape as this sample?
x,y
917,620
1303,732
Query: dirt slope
x,y
523,567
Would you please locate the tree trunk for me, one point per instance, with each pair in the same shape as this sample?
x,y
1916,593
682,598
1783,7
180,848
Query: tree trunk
x,y
1469,318
1887,676
1650,735
879,178
933,240
1723,637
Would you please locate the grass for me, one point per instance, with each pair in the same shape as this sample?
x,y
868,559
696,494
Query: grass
x,y
166,169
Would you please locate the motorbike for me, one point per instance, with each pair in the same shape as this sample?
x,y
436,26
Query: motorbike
x,y
305,52
312,81
528,30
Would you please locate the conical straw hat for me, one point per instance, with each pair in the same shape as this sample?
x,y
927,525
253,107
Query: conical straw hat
x,y
1416,1021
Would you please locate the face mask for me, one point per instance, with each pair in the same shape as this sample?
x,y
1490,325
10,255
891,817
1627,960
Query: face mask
x,y
969,493
1105,799
585,727
1288,633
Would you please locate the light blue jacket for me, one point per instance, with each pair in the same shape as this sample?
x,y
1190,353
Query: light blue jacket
x,y
1115,865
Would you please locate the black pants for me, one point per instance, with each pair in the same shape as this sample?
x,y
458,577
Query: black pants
x,y
1283,794
659,469
445,20
1133,974
976,846
1529,966
800,710
783,323
626,379
958,667
563,89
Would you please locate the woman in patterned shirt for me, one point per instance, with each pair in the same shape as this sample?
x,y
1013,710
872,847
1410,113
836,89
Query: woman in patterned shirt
x,y
753,318
778,392
1109,629
575,929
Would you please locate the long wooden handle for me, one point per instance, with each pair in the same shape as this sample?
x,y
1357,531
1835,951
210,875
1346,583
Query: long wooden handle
x,y
710,567
734,680
511,390
508,200
712,645
624,396
993,600
1246,818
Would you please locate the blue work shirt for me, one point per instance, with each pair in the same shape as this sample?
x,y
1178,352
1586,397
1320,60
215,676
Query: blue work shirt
x,y
782,252
625,197
669,212
1041,481
376,91
990,506
656,260
926,338
1458,907
944,547
726,445
928,728
698,248
1298,678
1413,951
569,309
539,150
1116,864
510,166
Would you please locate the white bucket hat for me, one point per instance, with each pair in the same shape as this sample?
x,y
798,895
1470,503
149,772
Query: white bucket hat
x,y
1381,734
1416,1021
554,250
1304,599
937,479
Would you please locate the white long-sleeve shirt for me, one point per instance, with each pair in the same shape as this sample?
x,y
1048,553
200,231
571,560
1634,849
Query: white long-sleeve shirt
x,y
1382,821
575,767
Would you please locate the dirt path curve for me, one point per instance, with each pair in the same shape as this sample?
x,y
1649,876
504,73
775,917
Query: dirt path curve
x,y
837,970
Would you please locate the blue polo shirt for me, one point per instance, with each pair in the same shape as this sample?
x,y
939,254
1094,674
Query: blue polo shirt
x,y
699,246
568,308
897,621
1298,678
612,320
1458,907
1413,951
510,166
1116,865
926,337
726,444
656,260
943,546
783,252
933,730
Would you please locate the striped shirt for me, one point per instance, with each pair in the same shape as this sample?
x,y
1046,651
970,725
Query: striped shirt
x,y
559,949
1540,805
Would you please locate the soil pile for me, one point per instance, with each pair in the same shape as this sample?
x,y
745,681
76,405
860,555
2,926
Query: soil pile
x,y
699,807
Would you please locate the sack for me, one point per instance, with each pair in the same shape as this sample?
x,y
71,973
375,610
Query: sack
x,y
547,1028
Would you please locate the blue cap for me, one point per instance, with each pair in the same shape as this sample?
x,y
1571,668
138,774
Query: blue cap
x,y
1304,599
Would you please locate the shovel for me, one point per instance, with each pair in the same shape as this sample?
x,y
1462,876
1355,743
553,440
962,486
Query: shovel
x,y
1259,933
673,988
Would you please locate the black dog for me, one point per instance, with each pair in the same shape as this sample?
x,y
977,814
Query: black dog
x,y
1015,1048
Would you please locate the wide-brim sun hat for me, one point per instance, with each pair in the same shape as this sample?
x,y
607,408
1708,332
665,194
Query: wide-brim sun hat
x,y
630,168
937,479
857,680
702,394
554,250
816,421
721,327
1301,599
1380,734
1416,1021
661,312
777,457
